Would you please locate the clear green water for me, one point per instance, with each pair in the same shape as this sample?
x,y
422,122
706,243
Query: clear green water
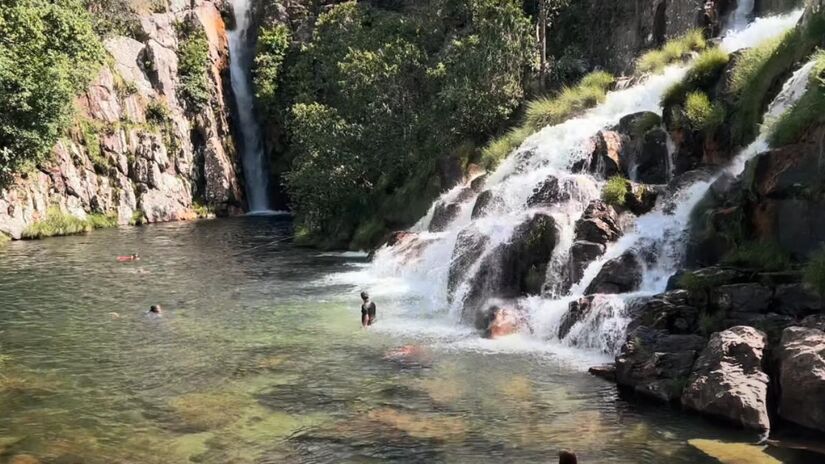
x,y
258,359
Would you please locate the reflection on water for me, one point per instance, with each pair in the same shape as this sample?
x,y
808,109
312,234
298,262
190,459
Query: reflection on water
x,y
259,359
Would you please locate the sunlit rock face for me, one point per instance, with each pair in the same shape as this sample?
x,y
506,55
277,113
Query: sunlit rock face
x,y
151,158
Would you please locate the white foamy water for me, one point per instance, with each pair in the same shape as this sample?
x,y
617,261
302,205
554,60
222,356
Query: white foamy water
x,y
252,154
411,278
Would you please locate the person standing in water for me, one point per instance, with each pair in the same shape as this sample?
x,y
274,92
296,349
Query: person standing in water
x,y
367,310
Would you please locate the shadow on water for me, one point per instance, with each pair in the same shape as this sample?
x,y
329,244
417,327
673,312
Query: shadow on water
x,y
258,359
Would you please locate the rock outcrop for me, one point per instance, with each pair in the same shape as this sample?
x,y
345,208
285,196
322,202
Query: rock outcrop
x,y
802,377
138,153
727,380
619,275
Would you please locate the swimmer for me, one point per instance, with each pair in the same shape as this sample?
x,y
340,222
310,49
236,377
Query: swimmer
x,y
367,310
155,310
132,257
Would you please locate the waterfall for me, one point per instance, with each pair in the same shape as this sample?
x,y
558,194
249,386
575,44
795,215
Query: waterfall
x,y
252,151
740,17
413,276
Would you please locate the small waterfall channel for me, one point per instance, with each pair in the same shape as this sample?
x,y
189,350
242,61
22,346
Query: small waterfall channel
x,y
253,159
416,275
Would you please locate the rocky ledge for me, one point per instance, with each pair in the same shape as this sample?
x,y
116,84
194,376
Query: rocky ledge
x,y
138,153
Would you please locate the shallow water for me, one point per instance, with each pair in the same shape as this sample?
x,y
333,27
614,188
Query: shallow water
x,y
259,358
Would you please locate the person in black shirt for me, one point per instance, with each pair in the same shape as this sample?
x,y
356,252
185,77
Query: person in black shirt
x,y
367,310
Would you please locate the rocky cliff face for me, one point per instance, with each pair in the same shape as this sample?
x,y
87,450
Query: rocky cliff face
x,y
136,151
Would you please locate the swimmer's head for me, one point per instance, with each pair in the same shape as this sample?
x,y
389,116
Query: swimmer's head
x,y
365,296
155,309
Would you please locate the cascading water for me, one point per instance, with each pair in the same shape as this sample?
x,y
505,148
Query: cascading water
x,y
412,276
252,150
740,17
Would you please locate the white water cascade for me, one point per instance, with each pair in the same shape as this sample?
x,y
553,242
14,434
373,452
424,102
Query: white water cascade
x,y
740,17
252,150
411,278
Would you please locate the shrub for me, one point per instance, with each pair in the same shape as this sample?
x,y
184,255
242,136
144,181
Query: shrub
x,y
809,110
768,256
702,114
138,218
499,148
710,322
702,75
272,47
202,211
696,283
58,223
814,272
615,191
757,72
48,54
548,111
673,51
193,64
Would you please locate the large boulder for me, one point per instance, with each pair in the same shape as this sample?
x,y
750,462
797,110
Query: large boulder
x,y
598,224
802,377
468,248
671,311
514,268
728,381
576,311
742,298
651,163
550,191
619,275
656,364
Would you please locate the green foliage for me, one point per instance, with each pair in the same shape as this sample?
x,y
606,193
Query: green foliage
x,y
702,75
193,64
368,233
138,218
48,54
673,51
702,114
547,111
57,223
814,272
116,17
758,71
271,52
646,122
202,211
808,111
768,256
377,97
615,191
590,91
90,133
710,322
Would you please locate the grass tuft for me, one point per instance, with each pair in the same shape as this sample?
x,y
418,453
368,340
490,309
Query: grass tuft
x,y
57,223
547,111
615,191
702,114
702,75
673,51
809,110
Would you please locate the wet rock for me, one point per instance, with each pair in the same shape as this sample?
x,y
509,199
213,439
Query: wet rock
x,y
598,224
802,377
400,236
651,165
656,364
443,215
582,253
641,199
742,298
604,371
514,268
728,381
485,202
469,247
477,184
734,453
548,192
619,275
709,276
796,300
577,310
604,155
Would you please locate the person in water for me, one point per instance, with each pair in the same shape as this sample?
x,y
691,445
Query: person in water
x,y
132,257
155,310
367,310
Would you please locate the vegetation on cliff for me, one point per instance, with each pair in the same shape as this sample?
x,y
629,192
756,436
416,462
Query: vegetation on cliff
x,y
807,112
48,53
378,101
57,222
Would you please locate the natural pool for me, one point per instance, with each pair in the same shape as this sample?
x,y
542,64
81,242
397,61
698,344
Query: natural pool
x,y
259,358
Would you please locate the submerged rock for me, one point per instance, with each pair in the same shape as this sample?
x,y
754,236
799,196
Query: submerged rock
x,y
802,377
728,381
734,453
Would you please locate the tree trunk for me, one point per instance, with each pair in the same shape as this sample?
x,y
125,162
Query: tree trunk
x,y
542,31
